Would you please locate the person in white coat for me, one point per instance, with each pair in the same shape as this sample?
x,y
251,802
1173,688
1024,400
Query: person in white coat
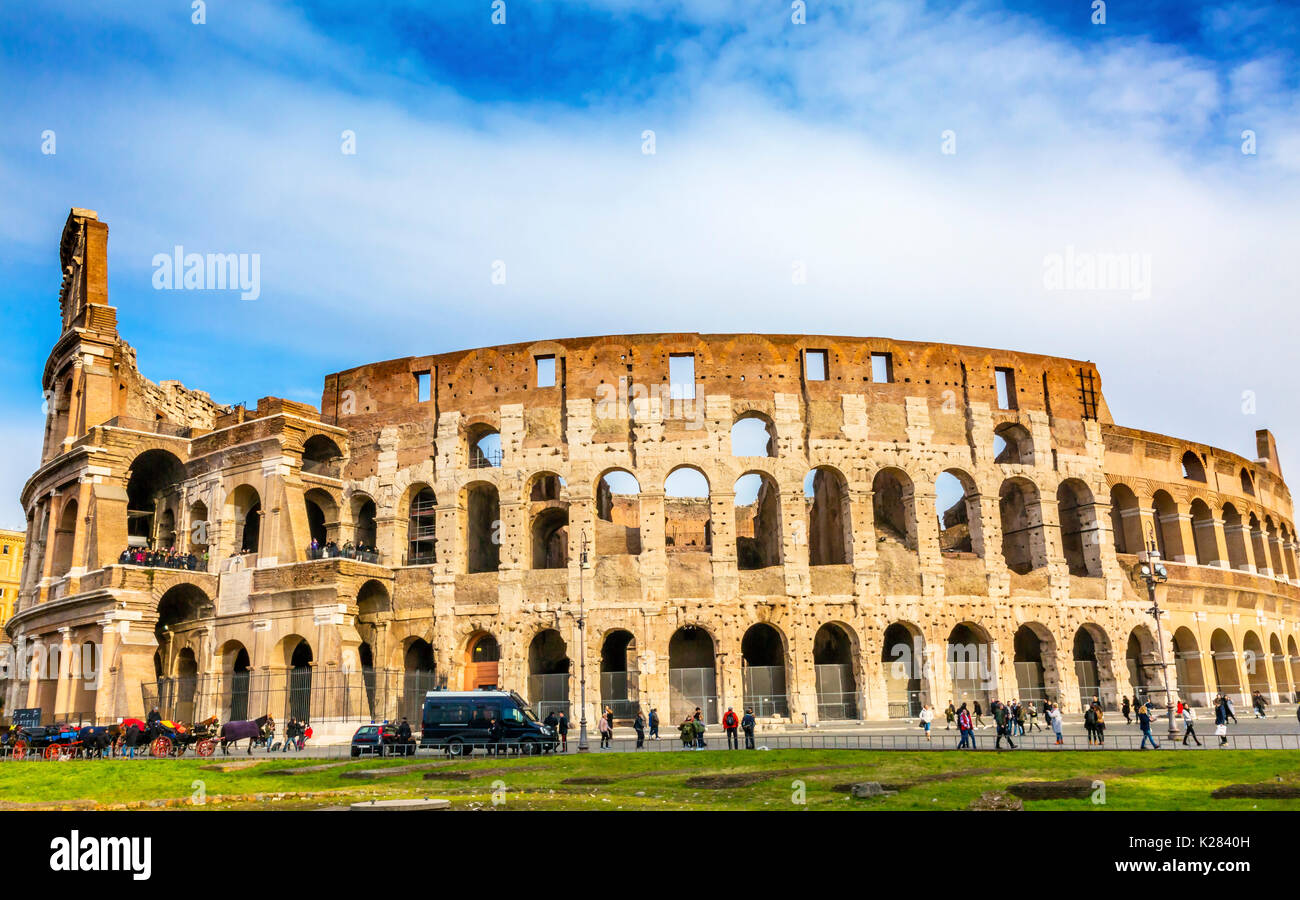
x,y
927,717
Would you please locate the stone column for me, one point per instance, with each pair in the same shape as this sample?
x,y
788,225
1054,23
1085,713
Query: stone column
x,y
63,689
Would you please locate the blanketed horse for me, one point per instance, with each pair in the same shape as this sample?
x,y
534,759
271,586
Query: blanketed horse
x,y
253,731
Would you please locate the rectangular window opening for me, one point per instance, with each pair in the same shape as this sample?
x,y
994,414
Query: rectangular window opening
x,y
423,386
814,365
1006,381
545,371
882,368
681,376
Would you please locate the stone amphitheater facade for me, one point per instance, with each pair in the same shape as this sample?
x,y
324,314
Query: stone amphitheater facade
x,y
486,502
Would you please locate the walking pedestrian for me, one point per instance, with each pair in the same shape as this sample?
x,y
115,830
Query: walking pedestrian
x,y
747,724
698,718
1002,721
1227,708
1100,726
603,726
562,727
1259,703
1054,714
1189,725
979,716
965,729
1124,710
949,715
1033,717
731,725
638,724
1221,720
654,724
1144,723
1090,723
927,717
1018,716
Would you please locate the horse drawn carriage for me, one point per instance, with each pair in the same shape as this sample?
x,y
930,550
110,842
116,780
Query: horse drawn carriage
x,y
50,741
164,737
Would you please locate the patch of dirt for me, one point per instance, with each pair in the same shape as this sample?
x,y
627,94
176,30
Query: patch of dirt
x,y
996,801
305,770
466,774
390,772
1129,770
724,780
919,779
1069,789
1273,790
589,779
232,766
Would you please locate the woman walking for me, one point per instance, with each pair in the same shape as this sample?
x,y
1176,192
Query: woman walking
x,y
927,717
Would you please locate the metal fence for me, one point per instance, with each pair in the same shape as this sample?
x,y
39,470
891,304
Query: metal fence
x,y
306,693
618,691
692,688
765,691
549,693
837,696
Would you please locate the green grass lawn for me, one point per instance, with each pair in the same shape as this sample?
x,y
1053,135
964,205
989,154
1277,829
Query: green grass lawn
x,y
731,780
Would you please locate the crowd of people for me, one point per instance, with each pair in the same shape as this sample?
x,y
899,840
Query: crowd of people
x,y
171,558
349,550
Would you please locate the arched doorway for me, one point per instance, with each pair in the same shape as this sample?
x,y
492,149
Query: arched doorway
x,y
837,688
482,527
902,656
618,514
1143,664
688,515
972,664
548,673
1255,663
692,675
618,674
1226,680
235,665
762,652
300,671
418,678
152,488
1034,651
482,662
1125,519
64,537
245,509
893,507
1187,667
187,682
1279,669
1092,669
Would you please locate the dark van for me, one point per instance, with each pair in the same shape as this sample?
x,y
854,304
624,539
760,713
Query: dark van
x,y
461,721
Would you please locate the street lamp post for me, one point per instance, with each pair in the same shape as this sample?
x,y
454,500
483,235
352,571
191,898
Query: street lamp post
x,y
582,649
1154,572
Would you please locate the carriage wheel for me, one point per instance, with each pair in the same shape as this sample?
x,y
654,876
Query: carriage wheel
x,y
20,750
205,747
51,751
160,747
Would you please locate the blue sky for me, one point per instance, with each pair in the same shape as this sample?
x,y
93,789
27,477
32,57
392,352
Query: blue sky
x,y
775,144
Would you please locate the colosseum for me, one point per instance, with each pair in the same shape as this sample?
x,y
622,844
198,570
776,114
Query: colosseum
x,y
822,528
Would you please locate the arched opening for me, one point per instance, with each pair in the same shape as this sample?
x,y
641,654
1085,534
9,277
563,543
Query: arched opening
x,y
1034,662
1274,548
1255,663
321,456
422,528
187,682
1234,538
244,508
364,529
1012,445
65,538
1080,528
837,687
753,434
166,539
419,676
482,662
236,666
1024,546
893,507
1143,664
762,653
972,663
1125,519
198,536
300,671
549,532
619,689
956,503
1280,676
482,528
483,444
618,514
1226,680
902,656
1294,654
1092,669
826,498
1203,525
153,485
1169,536
1288,551
688,519
179,609
692,675
373,606
1187,668
1257,542
322,523
1193,467
548,673
1247,483
758,522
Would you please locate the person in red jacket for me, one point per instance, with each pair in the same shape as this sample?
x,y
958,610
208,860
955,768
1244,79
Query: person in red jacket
x,y
731,722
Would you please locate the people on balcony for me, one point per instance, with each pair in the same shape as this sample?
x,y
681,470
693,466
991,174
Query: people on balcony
x,y
170,558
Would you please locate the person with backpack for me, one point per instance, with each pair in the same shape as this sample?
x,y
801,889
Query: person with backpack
x,y
747,725
731,725
1090,724
698,719
950,716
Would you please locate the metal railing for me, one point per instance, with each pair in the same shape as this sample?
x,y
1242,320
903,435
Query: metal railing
x,y
345,552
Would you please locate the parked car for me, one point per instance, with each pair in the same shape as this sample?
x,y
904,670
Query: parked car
x,y
458,722
380,740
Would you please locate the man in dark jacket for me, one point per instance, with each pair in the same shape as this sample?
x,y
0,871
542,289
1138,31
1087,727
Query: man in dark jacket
x,y
638,725
747,726
730,723
654,724
1002,719
495,733
562,729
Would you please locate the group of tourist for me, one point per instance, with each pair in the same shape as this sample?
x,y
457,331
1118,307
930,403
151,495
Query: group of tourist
x,y
331,550
1010,719
170,558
